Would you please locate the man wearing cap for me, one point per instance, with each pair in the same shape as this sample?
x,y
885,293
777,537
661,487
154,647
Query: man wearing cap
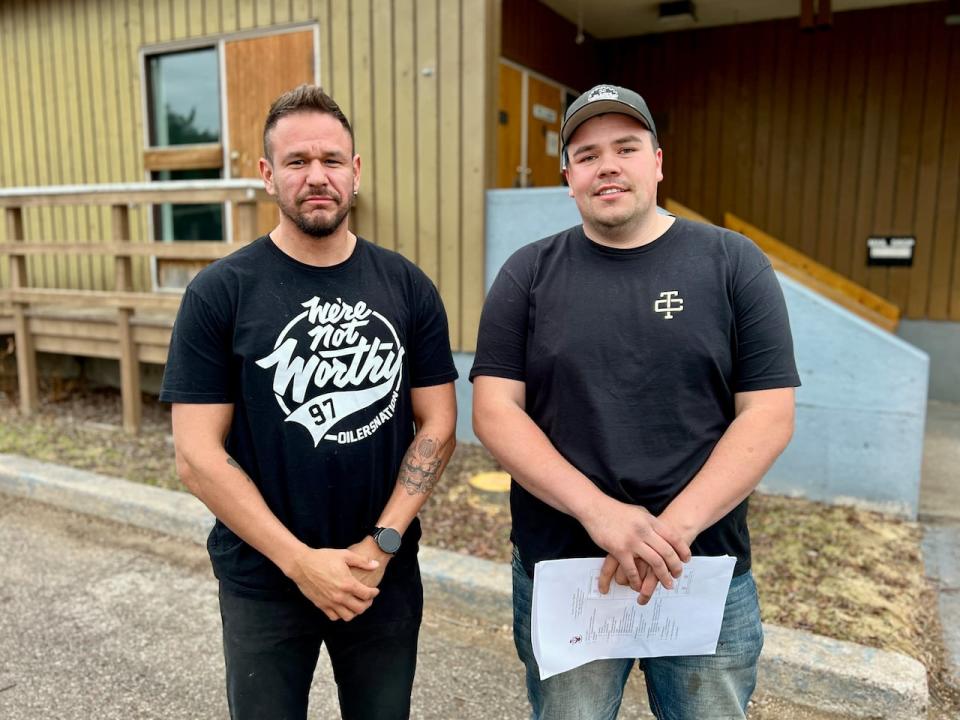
x,y
635,375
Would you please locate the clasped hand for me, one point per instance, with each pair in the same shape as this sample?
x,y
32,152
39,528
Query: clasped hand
x,y
328,578
643,550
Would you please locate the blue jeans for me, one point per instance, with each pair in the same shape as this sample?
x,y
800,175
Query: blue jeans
x,y
701,687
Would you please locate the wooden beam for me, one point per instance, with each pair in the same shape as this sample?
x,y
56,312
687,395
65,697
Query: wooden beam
x,y
806,15
833,293
824,14
152,354
27,380
72,327
140,197
151,335
18,265
193,250
173,191
123,270
84,347
129,365
804,266
675,208
189,157
129,374
94,298
246,229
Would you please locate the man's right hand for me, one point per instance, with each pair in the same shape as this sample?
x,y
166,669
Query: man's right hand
x,y
324,577
629,532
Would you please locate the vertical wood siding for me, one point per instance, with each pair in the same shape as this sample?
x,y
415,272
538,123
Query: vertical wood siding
x,y
537,38
821,138
412,75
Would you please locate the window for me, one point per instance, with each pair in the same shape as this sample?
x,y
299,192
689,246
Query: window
x,y
187,222
184,98
183,103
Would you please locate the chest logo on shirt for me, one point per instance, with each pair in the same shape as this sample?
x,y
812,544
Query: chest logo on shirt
x,y
669,303
333,362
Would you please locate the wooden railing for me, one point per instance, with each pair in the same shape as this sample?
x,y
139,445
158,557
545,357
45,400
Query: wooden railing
x,y
123,324
807,271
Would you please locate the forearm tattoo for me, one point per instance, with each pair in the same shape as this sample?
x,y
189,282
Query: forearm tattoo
x,y
421,466
233,463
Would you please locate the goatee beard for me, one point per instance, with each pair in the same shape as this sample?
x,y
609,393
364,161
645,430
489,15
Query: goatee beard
x,y
317,228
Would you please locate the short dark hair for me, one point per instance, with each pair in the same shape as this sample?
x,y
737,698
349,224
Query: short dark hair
x,y
303,98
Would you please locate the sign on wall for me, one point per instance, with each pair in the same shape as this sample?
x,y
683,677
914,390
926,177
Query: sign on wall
x,y
890,250
542,112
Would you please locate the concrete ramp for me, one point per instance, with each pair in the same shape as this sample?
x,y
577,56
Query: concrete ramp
x,y
860,411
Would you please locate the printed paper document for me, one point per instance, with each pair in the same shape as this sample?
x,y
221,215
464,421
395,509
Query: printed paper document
x,y
572,623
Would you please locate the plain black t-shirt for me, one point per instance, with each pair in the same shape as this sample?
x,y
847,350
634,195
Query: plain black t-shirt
x,y
631,359
319,363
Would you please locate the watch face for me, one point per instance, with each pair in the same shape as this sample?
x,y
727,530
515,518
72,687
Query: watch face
x,y
389,540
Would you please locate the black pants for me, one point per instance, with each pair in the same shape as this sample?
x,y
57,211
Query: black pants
x,y
271,649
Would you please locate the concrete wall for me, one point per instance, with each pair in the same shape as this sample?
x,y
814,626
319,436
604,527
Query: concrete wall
x,y
940,340
860,412
514,218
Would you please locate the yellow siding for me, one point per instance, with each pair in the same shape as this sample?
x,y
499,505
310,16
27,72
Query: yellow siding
x,y
405,146
412,75
247,14
362,117
428,194
449,83
228,22
481,50
385,221
42,269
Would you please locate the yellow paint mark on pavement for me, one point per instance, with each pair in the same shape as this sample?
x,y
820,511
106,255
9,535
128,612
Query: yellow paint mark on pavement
x,y
491,481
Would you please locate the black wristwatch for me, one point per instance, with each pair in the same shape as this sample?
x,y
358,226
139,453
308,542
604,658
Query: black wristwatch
x,y
387,539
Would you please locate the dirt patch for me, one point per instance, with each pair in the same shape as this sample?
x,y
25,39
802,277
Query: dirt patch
x,y
840,572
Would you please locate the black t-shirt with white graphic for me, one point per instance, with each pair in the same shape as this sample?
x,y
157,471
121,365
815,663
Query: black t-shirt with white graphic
x,y
631,359
318,363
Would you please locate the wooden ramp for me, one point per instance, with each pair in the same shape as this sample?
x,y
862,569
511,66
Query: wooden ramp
x,y
807,271
129,326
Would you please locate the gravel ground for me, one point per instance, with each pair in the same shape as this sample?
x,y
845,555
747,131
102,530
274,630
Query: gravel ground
x,y
837,571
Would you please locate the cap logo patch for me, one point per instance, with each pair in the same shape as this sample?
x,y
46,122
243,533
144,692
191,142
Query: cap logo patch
x,y
603,92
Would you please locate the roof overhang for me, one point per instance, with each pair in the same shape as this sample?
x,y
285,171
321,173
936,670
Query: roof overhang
x,y
626,18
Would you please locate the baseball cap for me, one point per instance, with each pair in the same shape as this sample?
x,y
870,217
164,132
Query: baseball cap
x,y
605,99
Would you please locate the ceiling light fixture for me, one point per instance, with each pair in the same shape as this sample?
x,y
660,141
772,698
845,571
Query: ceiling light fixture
x,y
579,38
677,10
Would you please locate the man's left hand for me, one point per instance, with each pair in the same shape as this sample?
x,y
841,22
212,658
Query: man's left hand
x,y
611,570
369,549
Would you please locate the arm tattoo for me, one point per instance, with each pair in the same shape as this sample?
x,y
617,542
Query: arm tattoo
x,y
420,469
233,463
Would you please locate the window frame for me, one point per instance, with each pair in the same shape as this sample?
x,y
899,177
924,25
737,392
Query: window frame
x,y
203,153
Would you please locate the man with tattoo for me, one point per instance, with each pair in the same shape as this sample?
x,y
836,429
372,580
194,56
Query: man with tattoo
x,y
313,412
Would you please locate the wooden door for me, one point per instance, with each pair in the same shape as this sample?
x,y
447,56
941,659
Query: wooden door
x,y
544,103
509,124
258,70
